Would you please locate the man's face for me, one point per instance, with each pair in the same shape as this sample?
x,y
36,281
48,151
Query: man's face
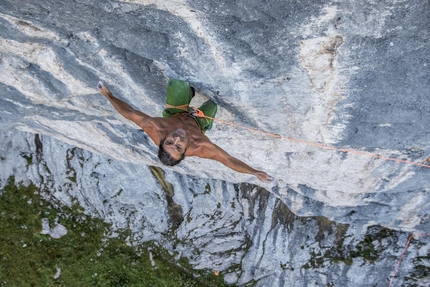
x,y
176,143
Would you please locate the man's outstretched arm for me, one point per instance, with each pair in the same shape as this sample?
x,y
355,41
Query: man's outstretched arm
x,y
139,118
212,151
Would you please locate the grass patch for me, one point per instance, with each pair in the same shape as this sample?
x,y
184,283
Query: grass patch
x,y
85,256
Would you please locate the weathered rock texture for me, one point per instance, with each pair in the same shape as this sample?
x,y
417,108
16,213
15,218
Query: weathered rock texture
x,y
350,74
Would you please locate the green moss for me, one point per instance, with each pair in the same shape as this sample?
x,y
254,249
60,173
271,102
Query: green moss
x,y
306,266
422,268
28,157
347,260
207,189
86,256
71,172
420,271
232,205
366,250
71,175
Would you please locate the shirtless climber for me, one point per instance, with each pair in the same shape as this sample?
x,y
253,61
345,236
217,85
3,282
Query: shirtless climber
x,y
179,133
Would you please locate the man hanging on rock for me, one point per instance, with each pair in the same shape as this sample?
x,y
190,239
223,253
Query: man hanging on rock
x,y
180,132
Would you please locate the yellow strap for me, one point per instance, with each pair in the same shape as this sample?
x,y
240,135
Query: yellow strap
x,y
182,107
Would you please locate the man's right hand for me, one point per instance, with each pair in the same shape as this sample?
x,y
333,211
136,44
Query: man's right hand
x,y
102,89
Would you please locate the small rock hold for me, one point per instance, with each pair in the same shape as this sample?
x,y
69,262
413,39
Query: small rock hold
x,y
58,231
58,273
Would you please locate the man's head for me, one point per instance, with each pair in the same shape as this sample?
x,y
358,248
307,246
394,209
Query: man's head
x,y
172,149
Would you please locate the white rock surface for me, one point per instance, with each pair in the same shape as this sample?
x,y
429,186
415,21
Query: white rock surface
x,y
349,74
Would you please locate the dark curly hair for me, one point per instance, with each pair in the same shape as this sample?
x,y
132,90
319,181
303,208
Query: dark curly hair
x,y
166,158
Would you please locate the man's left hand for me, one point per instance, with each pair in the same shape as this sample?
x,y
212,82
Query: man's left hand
x,y
264,177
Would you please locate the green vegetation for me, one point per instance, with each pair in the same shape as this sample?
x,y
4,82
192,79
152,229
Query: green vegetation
x,y
85,256
28,158
420,271
365,249
71,175
71,172
316,261
207,189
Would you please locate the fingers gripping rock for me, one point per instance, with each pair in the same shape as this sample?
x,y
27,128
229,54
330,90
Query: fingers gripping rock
x,y
100,85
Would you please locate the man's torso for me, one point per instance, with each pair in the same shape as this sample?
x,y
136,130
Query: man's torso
x,y
161,127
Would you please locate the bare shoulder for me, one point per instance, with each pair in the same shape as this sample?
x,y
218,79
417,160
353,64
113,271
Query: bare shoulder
x,y
153,127
204,148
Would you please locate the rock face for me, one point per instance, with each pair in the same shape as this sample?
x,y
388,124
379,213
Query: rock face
x,y
353,75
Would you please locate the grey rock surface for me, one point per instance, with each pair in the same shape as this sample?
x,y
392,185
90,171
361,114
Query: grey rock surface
x,y
56,232
242,230
349,74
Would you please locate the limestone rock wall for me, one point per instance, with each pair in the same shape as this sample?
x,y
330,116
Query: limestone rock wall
x,y
349,74
242,230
